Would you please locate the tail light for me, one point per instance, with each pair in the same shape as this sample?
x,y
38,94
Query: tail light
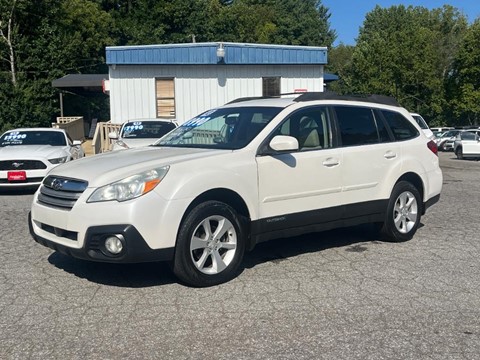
x,y
432,145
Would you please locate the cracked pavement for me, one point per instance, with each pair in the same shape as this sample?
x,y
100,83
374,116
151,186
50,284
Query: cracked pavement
x,y
339,294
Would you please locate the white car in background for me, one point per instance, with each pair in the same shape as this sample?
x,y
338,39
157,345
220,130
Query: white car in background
x,y
141,132
423,125
27,155
446,141
467,144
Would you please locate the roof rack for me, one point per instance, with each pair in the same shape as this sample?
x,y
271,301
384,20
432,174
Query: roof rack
x,y
261,97
380,99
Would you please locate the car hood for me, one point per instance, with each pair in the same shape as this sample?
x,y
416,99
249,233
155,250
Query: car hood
x,y
20,152
109,167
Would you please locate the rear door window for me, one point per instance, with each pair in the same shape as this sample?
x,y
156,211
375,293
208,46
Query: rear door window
x,y
402,129
358,126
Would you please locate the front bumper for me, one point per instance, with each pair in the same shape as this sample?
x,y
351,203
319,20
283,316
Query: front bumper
x,y
135,250
448,146
34,178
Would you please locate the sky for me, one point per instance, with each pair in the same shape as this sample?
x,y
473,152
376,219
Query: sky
x,y
348,15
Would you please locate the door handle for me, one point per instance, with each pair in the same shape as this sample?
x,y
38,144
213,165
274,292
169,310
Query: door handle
x,y
390,155
331,162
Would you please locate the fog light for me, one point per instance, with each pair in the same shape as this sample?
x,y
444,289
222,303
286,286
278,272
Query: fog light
x,y
113,245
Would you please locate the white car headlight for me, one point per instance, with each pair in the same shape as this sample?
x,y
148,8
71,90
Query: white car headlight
x,y
121,144
59,160
130,187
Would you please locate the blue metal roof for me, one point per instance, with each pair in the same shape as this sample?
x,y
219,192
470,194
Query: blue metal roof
x,y
206,53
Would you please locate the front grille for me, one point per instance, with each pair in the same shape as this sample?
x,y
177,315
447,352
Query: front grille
x,y
22,165
61,193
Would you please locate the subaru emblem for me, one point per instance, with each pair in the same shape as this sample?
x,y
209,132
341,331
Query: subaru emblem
x,y
56,184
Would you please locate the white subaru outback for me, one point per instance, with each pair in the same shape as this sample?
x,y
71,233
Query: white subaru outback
x,y
249,171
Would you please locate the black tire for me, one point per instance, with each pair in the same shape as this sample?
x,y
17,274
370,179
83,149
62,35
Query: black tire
x,y
408,217
186,261
459,153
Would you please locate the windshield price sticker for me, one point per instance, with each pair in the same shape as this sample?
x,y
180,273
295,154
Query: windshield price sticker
x,y
196,122
14,136
199,120
130,128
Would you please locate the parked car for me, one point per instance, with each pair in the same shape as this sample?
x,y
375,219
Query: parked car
x,y
467,145
423,125
246,172
141,132
27,155
449,144
445,141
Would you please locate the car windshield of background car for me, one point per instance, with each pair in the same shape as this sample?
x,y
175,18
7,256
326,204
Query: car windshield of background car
x,y
146,129
15,138
225,128
450,133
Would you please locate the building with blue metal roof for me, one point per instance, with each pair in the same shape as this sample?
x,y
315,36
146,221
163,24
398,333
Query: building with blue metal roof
x,y
182,80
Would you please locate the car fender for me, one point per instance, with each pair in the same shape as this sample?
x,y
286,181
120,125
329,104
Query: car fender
x,y
181,184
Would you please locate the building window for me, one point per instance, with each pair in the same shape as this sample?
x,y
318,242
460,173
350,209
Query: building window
x,y
271,86
165,95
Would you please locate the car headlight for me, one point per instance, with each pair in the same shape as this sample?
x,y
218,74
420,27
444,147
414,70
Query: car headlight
x,y
121,144
59,160
130,187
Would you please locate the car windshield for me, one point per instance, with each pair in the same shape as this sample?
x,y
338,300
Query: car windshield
x,y
146,129
225,128
420,121
40,137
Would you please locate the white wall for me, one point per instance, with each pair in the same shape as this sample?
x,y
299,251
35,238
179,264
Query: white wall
x,y
199,87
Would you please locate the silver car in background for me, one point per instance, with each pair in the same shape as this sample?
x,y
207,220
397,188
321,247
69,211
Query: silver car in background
x,y
467,144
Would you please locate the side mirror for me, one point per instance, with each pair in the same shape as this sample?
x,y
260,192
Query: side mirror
x,y
113,135
76,143
282,143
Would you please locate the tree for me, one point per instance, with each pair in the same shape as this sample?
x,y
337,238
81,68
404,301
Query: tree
x,y
50,38
464,80
7,29
256,21
404,52
339,63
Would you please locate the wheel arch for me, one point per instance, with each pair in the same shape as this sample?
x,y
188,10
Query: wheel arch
x,y
230,198
416,181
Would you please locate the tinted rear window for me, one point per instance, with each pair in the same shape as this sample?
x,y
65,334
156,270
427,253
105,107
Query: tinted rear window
x,y
358,126
402,129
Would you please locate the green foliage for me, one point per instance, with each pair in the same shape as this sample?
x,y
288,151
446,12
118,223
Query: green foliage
x,y
339,63
51,38
464,80
406,52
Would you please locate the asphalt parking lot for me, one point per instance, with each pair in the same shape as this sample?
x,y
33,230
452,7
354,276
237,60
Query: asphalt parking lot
x,y
335,295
